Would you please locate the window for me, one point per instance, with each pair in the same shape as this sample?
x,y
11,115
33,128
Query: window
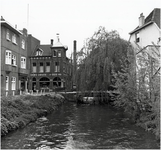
x,y
23,62
14,60
41,67
23,44
8,57
54,53
137,37
47,66
34,67
8,35
7,82
14,40
57,67
59,53
64,67
39,52
13,83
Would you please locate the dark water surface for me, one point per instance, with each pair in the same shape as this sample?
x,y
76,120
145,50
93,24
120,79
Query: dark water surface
x,y
81,127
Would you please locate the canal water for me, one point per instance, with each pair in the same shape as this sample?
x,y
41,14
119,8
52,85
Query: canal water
x,y
75,126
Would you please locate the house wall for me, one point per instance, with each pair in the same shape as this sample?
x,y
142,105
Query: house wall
x,y
147,35
146,66
9,69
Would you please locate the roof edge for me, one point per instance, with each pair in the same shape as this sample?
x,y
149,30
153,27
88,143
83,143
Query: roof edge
x,y
137,29
10,26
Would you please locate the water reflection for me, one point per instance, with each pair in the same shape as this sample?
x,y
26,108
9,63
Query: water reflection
x,y
81,127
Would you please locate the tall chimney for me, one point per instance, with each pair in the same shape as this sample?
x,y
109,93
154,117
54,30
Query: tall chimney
x,y
141,20
74,60
52,41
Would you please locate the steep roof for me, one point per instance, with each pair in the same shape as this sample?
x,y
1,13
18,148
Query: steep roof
x,y
46,49
153,17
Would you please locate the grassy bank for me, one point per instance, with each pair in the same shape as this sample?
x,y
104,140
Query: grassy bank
x,y
18,111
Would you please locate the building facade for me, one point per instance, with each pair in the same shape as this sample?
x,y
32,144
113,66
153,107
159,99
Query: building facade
x,y
50,68
14,71
148,31
146,41
28,66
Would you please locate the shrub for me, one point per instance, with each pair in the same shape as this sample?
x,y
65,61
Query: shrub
x,y
18,111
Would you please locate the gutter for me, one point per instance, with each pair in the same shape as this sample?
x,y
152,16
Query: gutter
x,y
137,29
6,24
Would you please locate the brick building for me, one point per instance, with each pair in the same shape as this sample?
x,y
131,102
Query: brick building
x,y
14,70
27,65
50,68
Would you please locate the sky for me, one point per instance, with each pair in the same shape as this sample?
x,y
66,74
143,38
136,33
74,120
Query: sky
x,y
75,19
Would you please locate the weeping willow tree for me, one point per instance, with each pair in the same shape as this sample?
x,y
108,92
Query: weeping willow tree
x,y
112,65
103,49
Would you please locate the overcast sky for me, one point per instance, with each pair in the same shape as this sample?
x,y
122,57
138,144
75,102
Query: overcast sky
x,y
75,19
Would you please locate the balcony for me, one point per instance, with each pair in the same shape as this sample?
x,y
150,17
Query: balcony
x,y
23,71
8,68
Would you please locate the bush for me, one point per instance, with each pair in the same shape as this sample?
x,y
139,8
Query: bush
x,y
18,111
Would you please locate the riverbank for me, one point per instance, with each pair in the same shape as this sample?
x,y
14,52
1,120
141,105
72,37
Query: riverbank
x,y
147,118
18,111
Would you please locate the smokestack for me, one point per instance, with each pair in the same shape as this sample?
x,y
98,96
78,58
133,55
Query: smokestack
x,y
74,60
141,20
75,50
52,41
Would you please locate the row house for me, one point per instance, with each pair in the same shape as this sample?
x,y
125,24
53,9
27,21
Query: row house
x,y
50,68
14,71
146,41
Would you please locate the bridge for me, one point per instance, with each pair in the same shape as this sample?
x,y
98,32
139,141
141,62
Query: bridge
x,y
87,96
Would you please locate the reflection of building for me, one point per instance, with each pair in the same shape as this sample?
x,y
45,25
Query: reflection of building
x,y
146,40
14,69
50,68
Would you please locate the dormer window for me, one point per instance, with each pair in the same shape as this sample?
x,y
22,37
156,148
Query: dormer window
x,y
39,52
137,37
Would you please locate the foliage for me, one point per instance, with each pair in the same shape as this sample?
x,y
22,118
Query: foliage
x,y
136,98
103,48
125,85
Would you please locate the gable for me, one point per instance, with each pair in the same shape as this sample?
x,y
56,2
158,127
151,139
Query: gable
x,y
153,17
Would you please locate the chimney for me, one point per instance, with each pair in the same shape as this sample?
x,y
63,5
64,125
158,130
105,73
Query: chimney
x,y
52,41
2,19
16,26
141,20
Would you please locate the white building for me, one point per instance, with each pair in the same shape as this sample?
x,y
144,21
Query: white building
x,y
146,40
149,30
